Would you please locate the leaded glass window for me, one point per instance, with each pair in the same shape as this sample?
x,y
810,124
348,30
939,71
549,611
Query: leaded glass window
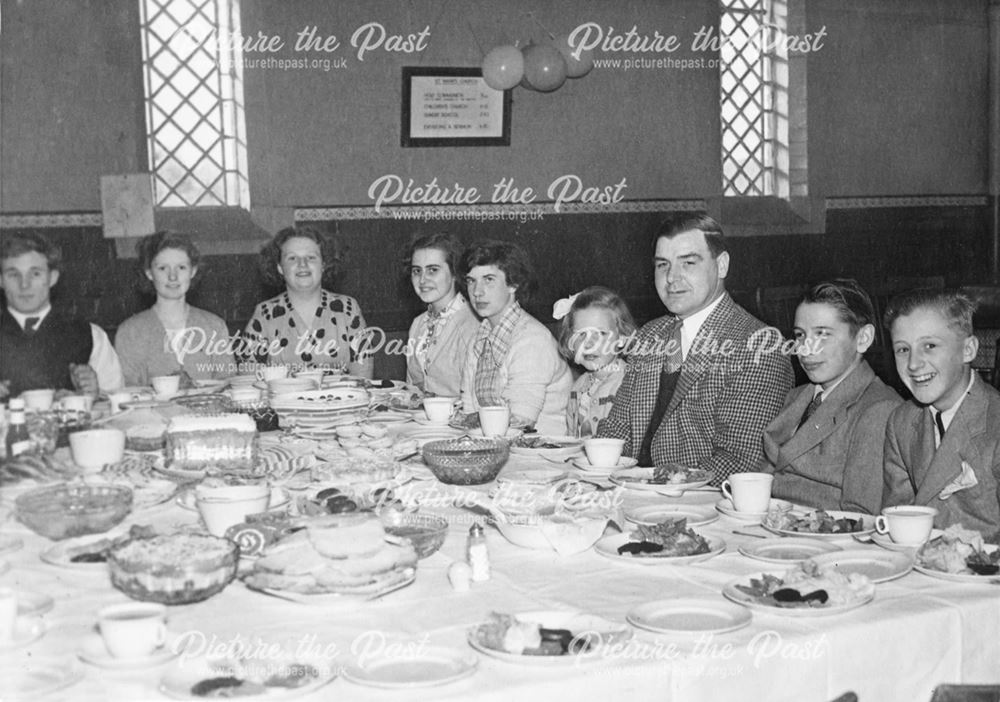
x,y
194,102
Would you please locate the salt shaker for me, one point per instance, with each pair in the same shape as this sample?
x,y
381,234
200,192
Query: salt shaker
x,y
477,554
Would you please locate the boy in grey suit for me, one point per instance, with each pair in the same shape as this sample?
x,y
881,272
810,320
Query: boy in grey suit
x,y
825,446
943,448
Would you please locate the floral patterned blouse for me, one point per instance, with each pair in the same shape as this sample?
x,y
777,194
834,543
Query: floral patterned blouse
x,y
318,338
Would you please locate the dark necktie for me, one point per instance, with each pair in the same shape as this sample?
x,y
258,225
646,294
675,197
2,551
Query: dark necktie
x,y
669,373
939,423
29,325
811,409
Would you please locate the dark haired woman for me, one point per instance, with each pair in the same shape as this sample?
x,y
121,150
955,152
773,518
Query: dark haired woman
x,y
306,326
514,359
439,338
172,337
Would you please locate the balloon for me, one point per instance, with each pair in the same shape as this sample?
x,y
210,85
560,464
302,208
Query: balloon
x,y
503,67
544,67
575,68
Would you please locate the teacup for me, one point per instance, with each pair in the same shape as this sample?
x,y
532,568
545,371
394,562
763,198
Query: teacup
x,y
117,399
40,400
438,409
93,449
749,492
134,629
223,507
907,525
166,385
267,373
603,452
77,403
8,613
494,421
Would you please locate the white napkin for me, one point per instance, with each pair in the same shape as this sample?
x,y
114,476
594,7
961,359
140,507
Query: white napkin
x,y
965,480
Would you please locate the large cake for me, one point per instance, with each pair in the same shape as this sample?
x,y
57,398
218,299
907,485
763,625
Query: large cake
x,y
218,443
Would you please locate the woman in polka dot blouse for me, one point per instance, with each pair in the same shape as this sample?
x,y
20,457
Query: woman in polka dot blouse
x,y
306,326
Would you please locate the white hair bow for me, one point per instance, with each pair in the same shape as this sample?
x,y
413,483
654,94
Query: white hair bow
x,y
562,307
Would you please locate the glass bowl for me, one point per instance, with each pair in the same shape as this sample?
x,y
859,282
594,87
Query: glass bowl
x,y
67,510
174,569
466,461
425,531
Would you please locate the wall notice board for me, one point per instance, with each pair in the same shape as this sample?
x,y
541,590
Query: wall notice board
x,y
452,107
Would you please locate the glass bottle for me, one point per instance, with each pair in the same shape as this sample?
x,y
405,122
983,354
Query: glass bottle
x,y
18,439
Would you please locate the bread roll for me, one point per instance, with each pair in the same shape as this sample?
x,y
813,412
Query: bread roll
x,y
347,536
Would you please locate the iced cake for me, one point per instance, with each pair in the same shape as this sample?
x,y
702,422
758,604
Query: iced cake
x,y
221,443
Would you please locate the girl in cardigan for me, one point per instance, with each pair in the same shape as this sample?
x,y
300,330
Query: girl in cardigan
x,y
596,324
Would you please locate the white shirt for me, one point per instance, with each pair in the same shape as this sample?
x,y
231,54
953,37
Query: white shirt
x,y
103,358
690,326
949,414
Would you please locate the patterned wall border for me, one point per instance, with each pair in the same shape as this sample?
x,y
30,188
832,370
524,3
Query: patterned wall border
x,y
857,203
511,212
51,221
489,211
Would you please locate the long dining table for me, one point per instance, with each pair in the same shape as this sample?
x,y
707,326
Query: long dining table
x,y
918,632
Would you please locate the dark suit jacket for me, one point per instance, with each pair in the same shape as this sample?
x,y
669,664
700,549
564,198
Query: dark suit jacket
x,y
915,473
835,460
731,385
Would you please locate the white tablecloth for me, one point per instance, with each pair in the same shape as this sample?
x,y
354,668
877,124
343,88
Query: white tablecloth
x,y
917,633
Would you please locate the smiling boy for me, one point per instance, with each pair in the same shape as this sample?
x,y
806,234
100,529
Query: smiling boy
x,y
825,446
943,448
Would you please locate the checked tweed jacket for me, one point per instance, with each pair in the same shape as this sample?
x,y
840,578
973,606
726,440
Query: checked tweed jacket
x,y
733,382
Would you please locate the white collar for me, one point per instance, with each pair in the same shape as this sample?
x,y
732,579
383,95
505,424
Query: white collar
x,y
22,318
690,326
949,414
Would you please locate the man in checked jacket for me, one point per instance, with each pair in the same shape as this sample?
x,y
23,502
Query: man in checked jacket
x,y
703,381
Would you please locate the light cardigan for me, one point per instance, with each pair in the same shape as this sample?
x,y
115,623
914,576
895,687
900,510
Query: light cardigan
x,y
536,380
144,348
443,373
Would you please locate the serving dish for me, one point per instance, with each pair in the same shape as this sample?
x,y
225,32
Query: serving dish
x,y
66,510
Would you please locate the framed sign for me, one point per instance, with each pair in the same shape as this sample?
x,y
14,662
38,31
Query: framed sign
x,y
453,107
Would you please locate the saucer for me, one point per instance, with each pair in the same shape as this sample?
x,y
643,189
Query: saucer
x,y
587,467
9,544
94,652
27,630
725,506
31,604
428,423
886,542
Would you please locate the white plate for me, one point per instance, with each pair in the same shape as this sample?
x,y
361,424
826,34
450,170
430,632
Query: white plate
x,y
608,546
31,604
389,417
603,631
787,550
589,468
429,666
279,498
347,594
696,515
543,475
186,673
26,630
961,577
567,446
424,421
9,543
877,566
689,615
725,506
58,553
40,677
638,479
739,597
94,652
885,541
868,522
